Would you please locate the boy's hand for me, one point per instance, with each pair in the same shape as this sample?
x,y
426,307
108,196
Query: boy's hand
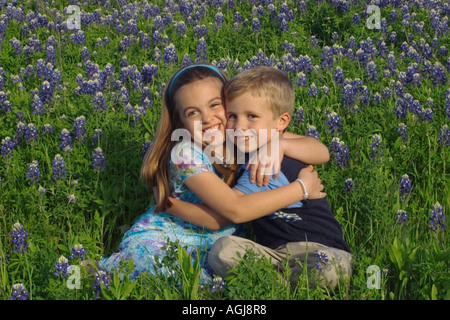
x,y
263,164
312,183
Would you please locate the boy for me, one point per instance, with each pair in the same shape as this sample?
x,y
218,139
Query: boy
x,y
260,101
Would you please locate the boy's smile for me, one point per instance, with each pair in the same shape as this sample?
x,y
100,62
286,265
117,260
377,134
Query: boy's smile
x,y
252,122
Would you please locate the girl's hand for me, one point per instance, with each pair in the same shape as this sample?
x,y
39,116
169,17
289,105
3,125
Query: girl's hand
x,y
313,184
264,163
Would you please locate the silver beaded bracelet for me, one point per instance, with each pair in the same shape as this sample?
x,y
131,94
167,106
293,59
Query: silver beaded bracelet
x,y
305,193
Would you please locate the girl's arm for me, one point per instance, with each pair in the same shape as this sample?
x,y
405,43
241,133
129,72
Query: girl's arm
x,y
240,208
198,214
305,149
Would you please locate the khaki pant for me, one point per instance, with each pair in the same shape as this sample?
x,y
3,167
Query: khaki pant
x,y
331,264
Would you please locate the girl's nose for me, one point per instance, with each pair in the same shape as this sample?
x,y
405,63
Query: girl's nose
x,y
207,116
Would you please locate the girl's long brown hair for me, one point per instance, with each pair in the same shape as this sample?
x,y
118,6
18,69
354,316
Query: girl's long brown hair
x,y
155,171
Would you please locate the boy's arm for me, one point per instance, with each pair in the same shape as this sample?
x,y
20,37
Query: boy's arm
x,y
308,150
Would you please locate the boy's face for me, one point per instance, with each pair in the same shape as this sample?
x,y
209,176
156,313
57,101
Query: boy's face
x,y
252,122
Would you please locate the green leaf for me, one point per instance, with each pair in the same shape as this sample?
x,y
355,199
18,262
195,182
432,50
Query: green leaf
x,y
434,292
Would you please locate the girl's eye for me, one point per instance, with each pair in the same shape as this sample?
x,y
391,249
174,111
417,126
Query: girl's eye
x,y
215,105
191,113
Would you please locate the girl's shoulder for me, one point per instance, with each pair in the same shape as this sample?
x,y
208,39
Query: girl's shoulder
x,y
188,153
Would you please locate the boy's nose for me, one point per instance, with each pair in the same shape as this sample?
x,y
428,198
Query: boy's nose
x,y
240,124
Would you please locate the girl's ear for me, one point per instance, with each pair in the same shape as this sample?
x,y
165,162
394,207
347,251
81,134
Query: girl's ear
x,y
283,121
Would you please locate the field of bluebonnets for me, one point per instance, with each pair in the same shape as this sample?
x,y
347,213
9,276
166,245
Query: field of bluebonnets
x,y
79,105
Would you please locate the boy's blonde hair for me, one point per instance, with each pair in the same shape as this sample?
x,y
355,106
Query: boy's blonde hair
x,y
271,83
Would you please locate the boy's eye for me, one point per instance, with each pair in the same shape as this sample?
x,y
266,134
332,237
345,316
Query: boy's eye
x,y
252,116
231,116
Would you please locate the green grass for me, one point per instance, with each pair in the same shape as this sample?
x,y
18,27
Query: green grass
x,y
413,260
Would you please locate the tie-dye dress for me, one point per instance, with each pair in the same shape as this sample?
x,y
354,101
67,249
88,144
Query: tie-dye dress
x,y
151,232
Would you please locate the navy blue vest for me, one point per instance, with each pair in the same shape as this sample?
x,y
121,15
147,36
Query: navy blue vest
x,y
315,221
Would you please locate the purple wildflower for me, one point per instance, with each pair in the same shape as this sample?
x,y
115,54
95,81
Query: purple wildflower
x,y
132,27
77,251
340,152
321,260
46,92
146,146
48,129
100,102
16,45
311,131
256,25
338,75
427,115
78,37
170,55
404,186
375,146
62,267
98,162
202,55
101,277
312,90
71,198
19,292
7,146
218,284
218,19
334,123
444,136
30,133
437,218
348,98
65,141
149,72
402,218
284,26
79,128
98,134
403,131
314,42
58,168
19,236
38,107
33,174
299,116
372,72
349,185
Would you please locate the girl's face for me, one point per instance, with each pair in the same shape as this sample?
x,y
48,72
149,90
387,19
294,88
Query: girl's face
x,y
201,110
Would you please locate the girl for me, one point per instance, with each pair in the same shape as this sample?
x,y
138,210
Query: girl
x,y
194,96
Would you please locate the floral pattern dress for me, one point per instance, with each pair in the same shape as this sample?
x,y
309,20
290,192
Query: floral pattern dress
x,y
151,232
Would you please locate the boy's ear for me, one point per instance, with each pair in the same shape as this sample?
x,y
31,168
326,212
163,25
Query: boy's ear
x,y
283,121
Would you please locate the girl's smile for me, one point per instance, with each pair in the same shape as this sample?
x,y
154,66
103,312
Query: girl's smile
x,y
201,110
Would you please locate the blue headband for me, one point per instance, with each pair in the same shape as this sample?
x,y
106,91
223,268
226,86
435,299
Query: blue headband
x,y
193,66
